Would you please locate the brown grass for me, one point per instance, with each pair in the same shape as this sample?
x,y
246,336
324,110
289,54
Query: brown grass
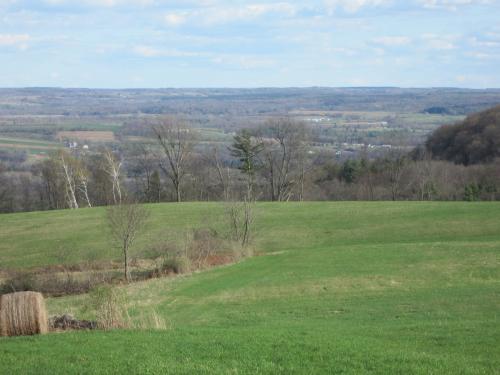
x,y
23,313
110,307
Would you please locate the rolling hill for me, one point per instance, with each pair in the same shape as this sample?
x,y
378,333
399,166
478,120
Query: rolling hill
x,y
336,288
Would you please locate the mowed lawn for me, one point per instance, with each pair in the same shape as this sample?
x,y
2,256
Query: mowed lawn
x,y
337,287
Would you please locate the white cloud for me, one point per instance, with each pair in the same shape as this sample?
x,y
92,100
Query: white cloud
x,y
451,4
442,45
245,62
17,40
234,60
479,55
220,14
487,43
148,51
353,6
175,19
439,42
101,3
392,41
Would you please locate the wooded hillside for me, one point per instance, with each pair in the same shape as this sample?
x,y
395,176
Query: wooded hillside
x,y
475,140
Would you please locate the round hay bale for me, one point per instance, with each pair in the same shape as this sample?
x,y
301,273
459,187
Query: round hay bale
x,y
22,313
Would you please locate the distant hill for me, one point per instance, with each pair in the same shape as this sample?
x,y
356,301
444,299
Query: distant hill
x,y
474,140
249,101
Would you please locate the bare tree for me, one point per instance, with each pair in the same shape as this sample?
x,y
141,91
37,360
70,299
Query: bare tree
x,y
82,179
424,175
394,163
112,167
6,191
284,146
74,175
126,222
144,170
222,174
52,183
241,218
69,168
176,140
83,184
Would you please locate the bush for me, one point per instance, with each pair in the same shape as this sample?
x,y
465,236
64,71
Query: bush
x,y
109,305
194,250
20,282
177,265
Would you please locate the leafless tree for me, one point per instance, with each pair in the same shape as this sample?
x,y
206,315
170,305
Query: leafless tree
x,y
424,173
176,140
223,174
52,183
395,162
83,183
75,176
283,153
241,217
6,190
112,167
126,221
69,168
144,170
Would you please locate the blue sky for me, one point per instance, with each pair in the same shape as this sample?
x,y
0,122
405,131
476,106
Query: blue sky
x,y
220,43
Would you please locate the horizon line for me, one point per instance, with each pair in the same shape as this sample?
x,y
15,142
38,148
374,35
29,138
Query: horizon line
x,y
244,87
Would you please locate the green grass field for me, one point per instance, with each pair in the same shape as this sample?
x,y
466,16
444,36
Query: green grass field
x,y
339,288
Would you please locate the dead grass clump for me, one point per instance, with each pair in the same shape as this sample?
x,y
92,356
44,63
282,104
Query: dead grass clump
x,y
150,320
23,313
110,307
195,250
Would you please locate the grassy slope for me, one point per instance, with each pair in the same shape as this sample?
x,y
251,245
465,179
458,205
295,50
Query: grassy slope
x,y
344,288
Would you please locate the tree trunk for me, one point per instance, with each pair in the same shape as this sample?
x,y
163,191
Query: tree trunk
x,y
177,191
125,259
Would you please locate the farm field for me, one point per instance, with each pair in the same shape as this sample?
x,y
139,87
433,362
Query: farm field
x,y
27,143
33,147
87,135
335,287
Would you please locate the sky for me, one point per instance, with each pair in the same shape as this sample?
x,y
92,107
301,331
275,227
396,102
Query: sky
x,y
222,43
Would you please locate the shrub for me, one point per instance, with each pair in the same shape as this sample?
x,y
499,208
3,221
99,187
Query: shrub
x,y
20,282
109,305
178,265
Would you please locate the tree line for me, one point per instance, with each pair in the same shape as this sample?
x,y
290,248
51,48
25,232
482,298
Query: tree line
x,y
275,161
